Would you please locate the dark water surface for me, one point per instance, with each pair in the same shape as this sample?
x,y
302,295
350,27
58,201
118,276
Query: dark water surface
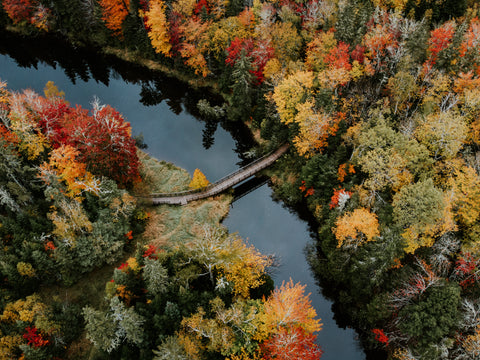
x,y
173,134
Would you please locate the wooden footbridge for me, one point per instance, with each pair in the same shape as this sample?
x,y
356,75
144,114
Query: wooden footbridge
x,y
183,197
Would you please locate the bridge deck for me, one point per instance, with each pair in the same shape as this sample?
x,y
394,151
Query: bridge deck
x,y
182,198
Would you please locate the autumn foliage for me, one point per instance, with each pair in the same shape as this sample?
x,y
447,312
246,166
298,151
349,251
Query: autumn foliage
x,y
63,164
355,228
101,141
68,209
339,197
158,27
19,10
380,336
289,306
199,180
259,54
380,100
303,189
34,338
225,318
38,326
150,252
440,39
114,14
104,142
467,270
291,344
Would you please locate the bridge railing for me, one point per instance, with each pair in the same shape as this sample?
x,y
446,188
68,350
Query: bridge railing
x,y
212,185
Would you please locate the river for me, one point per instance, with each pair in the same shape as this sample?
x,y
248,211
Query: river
x,y
173,134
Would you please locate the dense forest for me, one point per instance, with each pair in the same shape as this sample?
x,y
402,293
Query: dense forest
x,y
380,100
67,175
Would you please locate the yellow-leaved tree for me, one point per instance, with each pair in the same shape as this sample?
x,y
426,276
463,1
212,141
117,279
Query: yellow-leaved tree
x,y
25,125
114,13
291,92
69,220
158,24
224,331
355,228
199,180
235,263
246,268
315,127
25,316
287,307
423,211
51,91
443,133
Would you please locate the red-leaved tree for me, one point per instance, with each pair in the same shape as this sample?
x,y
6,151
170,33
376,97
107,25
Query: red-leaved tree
x,y
338,57
440,39
467,269
105,143
291,344
101,138
52,114
19,10
259,53
34,338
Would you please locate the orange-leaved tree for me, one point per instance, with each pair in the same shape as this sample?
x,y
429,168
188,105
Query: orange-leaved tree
x,y
19,10
288,307
63,164
287,324
199,180
158,25
114,14
355,228
195,45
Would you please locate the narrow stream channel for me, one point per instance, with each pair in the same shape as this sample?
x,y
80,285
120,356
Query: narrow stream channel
x,y
177,137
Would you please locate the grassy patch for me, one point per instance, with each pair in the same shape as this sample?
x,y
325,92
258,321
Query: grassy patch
x,y
167,226
171,224
180,224
85,291
160,176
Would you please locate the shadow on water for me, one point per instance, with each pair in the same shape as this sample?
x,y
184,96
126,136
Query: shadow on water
x,y
82,64
327,288
249,186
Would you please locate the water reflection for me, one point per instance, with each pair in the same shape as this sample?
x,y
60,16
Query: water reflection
x,y
175,131
77,63
275,229
248,186
80,64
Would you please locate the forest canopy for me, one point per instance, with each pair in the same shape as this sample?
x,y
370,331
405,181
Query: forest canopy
x,y
380,101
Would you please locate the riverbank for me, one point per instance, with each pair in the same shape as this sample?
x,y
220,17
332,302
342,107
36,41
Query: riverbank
x,y
265,232
124,54
179,224
166,227
135,58
265,223
381,115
